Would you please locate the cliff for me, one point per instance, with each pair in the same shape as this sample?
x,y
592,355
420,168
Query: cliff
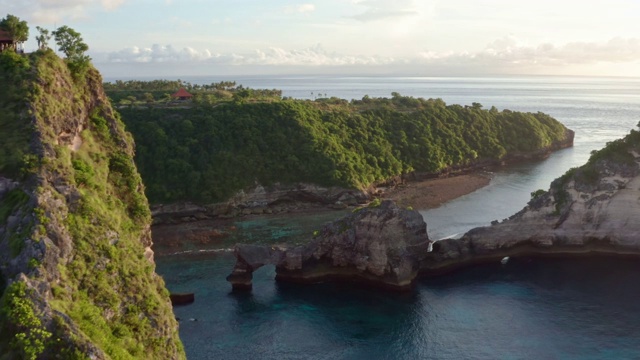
x,y
77,270
593,209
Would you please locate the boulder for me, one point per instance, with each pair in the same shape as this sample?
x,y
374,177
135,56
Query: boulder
x,y
182,298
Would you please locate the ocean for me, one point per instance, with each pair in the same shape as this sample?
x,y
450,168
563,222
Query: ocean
x,y
551,309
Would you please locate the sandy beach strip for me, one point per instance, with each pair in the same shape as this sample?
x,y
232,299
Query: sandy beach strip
x,y
432,193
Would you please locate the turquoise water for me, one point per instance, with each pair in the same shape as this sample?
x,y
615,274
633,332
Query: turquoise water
x,y
578,309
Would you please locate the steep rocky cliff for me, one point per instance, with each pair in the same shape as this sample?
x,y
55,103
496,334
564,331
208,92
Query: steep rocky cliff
x,y
593,209
77,271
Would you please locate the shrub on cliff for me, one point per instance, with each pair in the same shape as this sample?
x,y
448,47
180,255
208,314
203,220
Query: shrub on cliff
x,y
617,157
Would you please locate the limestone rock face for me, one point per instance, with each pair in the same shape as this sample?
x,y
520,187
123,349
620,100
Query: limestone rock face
x,y
595,209
76,265
277,198
380,245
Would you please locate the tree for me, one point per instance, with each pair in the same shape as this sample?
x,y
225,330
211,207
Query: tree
x,y
43,38
148,97
71,44
17,29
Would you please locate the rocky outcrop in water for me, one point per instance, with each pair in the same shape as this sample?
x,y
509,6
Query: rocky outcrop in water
x,y
382,245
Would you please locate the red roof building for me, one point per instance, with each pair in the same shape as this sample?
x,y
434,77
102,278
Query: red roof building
x,y
182,94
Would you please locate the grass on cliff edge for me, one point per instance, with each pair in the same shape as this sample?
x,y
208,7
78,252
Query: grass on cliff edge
x,y
108,289
617,153
15,125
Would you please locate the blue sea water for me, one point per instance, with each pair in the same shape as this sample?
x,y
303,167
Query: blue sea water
x,y
551,309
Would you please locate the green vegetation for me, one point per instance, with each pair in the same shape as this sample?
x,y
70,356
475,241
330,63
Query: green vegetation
x,y
205,153
43,38
15,78
27,337
17,29
536,194
71,44
157,93
375,203
616,156
105,288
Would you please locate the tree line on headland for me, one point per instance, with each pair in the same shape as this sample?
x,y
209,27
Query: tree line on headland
x,y
206,152
158,92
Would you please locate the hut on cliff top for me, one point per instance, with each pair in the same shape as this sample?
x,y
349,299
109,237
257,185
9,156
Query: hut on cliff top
x,y
182,94
6,41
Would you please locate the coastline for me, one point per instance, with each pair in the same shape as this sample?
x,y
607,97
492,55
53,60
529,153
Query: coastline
x,y
432,193
209,234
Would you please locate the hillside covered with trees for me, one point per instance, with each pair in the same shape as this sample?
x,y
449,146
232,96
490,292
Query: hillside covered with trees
x,y
206,153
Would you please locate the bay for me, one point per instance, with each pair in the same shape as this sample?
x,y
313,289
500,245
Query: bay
x,y
579,309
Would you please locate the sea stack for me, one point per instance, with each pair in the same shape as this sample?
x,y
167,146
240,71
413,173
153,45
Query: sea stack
x,y
381,245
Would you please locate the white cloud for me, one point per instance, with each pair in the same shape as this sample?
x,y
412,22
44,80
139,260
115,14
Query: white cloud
x,y
505,55
300,9
112,4
159,53
313,56
510,51
385,9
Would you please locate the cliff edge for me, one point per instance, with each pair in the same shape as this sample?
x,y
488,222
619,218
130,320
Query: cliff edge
x,y
592,209
77,270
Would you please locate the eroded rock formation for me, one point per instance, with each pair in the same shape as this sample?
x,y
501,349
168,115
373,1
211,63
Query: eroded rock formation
x,y
382,245
278,198
594,209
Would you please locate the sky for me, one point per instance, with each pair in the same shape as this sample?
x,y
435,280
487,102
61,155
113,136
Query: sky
x,y
134,38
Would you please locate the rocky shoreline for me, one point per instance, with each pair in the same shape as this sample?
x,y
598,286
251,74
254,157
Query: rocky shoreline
x,y
420,194
193,226
417,190
590,211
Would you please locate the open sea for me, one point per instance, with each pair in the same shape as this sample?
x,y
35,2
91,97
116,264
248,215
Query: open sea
x,y
543,309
